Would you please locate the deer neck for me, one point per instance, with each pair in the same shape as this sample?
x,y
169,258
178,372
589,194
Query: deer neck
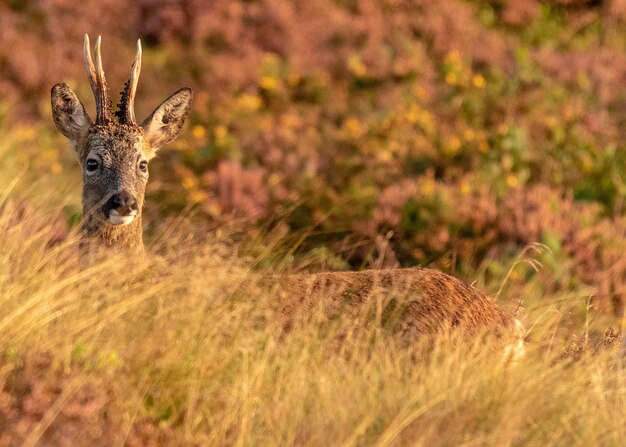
x,y
99,234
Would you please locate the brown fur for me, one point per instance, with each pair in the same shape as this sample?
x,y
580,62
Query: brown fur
x,y
117,147
425,301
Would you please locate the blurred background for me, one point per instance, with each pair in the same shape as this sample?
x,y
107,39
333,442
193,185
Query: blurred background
x,y
357,133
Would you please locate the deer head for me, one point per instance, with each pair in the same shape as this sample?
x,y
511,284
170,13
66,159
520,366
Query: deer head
x,y
114,151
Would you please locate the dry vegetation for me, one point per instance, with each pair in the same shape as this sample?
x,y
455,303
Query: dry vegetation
x,y
485,138
185,350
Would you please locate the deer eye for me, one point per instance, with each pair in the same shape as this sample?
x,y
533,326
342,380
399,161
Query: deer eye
x,y
143,166
91,165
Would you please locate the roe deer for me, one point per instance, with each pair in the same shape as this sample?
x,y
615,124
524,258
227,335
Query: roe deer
x,y
114,153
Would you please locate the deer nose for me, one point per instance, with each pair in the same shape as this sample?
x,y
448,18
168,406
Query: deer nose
x,y
124,203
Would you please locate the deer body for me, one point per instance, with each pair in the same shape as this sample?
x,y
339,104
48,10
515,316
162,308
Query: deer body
x,y
432,300
412,302
114,152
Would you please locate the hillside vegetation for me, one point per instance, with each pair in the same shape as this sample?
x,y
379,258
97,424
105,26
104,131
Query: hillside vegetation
x,y
483,138
186,350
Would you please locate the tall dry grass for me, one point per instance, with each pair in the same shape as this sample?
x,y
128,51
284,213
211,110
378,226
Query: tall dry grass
x,y
184,349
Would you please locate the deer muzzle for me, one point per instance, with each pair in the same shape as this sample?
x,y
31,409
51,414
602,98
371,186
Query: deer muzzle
x,y
121,208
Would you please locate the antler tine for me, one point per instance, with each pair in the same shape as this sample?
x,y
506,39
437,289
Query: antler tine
x,y
91,70
101,92
127,102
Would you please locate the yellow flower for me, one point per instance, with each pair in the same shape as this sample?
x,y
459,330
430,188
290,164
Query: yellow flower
x,y
478,81
220,132
384,155
451,78
270,83
503,129
250,102
469,135
189,182
427,187
452,146
198,131
427,123
455,143
353,127
356,66
465,188
213,208
512,181
197,196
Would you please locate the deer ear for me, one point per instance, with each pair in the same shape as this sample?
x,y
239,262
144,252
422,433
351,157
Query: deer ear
x,y
166,122
69,114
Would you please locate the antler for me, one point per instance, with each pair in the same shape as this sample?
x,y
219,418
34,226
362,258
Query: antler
x,y
126,112
98,82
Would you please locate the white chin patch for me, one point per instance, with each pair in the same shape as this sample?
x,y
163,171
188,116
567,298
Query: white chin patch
x,y
116,219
